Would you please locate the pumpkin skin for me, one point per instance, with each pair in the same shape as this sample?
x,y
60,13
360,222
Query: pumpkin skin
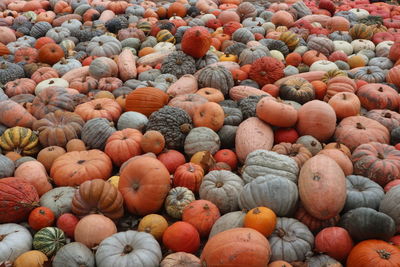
x,y
76,167
33,258
298,152
341,159
47,155
266,70
12,114
389,205
67,222
152,141
202,214
297,89
322,187
73,254
16,241
366,223
41,217
99,108
356,130
378,96
316,118
20,196
181,237
379,162
196,41
50,53
34,173
180,259
98,196
49,240
335,242
189,175
236,247
94,228
178,198
146,100
153,224
209,115
171,159
144,183
276,112
123,145
371,253
21,140
261,219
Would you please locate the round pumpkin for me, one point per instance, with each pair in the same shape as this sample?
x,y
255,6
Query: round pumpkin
x,y
41,217
371,253
202,214
153,224
261,219
335,242
181,237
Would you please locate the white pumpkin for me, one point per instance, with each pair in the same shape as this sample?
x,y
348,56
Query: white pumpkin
x,y
360,44
323,65
130,248
165,46
268,26
301,49
15,240
59,199
59,82
74,254
384,45
344,46
359,12
207,17
277,54
132,119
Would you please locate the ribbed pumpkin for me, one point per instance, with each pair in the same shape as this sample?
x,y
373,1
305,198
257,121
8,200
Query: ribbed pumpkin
x,y
49,240
12,114
322,187
202,214
146,100
33,258
335,242
189,175
21,140
372,253
266,70
196,41
19,198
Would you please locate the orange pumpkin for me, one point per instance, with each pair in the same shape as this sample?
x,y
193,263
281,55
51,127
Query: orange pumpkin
x,y
50,53
261,219
345,104
146,100
341,159
189,175
209,115
176,9
75,145
48,155
202,214
182,237
211,94
99,108
276,112
34,172
152,141
123,145
372,253
144,183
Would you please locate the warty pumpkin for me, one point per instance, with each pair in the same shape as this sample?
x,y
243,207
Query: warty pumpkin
x,y
196,41
266,70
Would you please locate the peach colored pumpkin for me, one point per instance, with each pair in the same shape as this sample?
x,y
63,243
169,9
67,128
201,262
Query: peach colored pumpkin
x,y
126,65
262,137
276,112
341,159
7,35
241,91
94,228
337,23
318,119
206,5
81,72
282,18
187,84
34,173
345,104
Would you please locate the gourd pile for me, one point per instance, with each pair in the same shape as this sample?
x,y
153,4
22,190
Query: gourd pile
x,y
199,133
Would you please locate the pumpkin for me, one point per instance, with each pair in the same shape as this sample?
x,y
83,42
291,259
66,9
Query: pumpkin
x,y
7,167
268,191
238,247
58,200
146,100
201,139
16,240
379,162
298,152
98,196
47,155
317,119
388,205
20,86
202,214
371,252
33,258
315,225
189,175
209,115
171,159
181,237
176,201
217,77
266,70
389,119
378,96
222,188
99,108
41,217
20,198
261,219
196,41
59,127
297,89
345,104
341,159
362,192
123,145
94,228
73,254
144,176
49,240
96,131
290,241
103,67
180,259
50,53
153,224
67,222
12,114
34,173
76,167
335,242
152,141
366,223
356,130
325,174
276,112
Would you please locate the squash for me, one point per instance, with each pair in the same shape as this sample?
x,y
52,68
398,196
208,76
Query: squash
x,y
49,240
335,242
371,252
276,112
74,254
34,173
180,259
322,187
202,214
153,224
389,205
126,65
236,247
15,240
181,237
228,221
129,248
58,199
33,258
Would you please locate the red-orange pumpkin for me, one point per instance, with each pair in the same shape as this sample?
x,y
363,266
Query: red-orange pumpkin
x,y
182,237
378,96
202,214
276,112
123,145
146,100
189,175
50,53
335,242
196,41
373,253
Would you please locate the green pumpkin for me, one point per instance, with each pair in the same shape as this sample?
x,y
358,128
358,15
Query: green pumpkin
x,y
49,240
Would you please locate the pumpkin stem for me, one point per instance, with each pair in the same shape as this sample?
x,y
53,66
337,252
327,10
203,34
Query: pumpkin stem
x,y
219,184
344,97
316,178
384,254
380,89
360,126
256,211
388,115
185,128
191,168
2,237
380,156
206,207
98,106
280,232
127,249
135,186
81,161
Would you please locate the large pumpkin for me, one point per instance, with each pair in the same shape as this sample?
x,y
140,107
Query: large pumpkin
x,y
146,100
266,70
76,167
144,184
12,114
196,41
335,242
239,247
378,96
18,198
322,187
318,119
372,253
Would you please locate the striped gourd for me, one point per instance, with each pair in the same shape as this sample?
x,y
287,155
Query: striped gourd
x,y
165,36
361,31
145,26
290,39
49,240
20,139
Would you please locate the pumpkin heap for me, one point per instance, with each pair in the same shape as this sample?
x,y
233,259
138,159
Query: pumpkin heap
x,y
199,133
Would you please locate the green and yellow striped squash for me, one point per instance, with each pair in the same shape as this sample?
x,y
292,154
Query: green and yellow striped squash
x,y
49,240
